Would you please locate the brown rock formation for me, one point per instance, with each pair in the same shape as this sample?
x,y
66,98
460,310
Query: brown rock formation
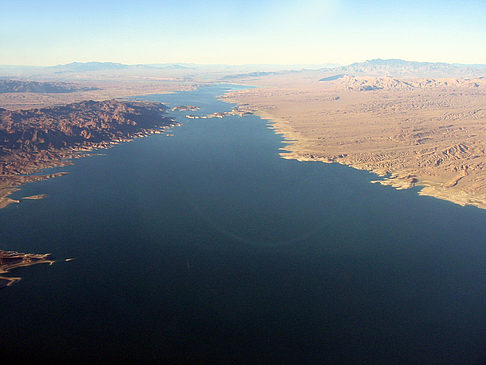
x,y
10,260
38,138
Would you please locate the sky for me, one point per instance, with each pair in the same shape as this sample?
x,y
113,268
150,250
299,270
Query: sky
x,y
51,32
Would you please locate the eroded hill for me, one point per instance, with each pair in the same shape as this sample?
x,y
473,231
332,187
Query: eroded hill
x,y
39,138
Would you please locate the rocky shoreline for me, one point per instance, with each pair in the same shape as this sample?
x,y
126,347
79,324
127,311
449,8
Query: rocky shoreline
x,y
235,111
10,260
36,139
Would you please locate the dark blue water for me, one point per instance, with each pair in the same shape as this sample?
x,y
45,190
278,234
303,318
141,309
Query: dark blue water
x,y
207,247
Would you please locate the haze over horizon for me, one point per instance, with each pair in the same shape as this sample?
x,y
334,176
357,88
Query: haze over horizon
x,y
241,32
278,66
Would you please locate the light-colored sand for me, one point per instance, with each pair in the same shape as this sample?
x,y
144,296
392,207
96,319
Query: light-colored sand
x,y
416,132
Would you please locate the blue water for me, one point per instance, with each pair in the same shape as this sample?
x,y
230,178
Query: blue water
x,y
207,247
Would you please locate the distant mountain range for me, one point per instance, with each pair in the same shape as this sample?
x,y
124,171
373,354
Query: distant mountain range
x,y
375,67
88,66
367,83
384,68
402,68
17,86
249,74
110,66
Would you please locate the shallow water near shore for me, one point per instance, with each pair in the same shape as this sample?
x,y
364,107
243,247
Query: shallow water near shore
x,y
207,246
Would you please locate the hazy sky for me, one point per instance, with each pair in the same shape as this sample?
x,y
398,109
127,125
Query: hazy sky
x,y
48,32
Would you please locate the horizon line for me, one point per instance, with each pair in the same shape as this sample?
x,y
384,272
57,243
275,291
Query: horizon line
x,y
336,64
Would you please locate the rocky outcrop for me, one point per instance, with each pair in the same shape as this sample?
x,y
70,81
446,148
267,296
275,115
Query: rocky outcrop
x,y
38,138
10,260
75,124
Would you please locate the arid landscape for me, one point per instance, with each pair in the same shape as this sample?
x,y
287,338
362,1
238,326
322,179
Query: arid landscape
x,y
384,117
35,139
243,182
412,123
10,260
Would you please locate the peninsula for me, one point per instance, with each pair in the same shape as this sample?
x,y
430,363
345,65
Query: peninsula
x,y
10,260
34,139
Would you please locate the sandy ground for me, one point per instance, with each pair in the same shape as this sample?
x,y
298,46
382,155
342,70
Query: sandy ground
x,y
411,132
428,132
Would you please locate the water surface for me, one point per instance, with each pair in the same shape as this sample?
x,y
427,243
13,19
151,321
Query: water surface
x,y
206,246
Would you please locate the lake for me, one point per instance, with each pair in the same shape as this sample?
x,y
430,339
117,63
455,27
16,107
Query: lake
x,y
207,247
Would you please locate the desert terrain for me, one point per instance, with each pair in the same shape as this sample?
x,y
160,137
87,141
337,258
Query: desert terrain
x,y
409,129
51,116
34,139
10,260
412,123
88,90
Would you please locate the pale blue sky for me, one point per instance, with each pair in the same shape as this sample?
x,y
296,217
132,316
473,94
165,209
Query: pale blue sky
x,y
49,32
